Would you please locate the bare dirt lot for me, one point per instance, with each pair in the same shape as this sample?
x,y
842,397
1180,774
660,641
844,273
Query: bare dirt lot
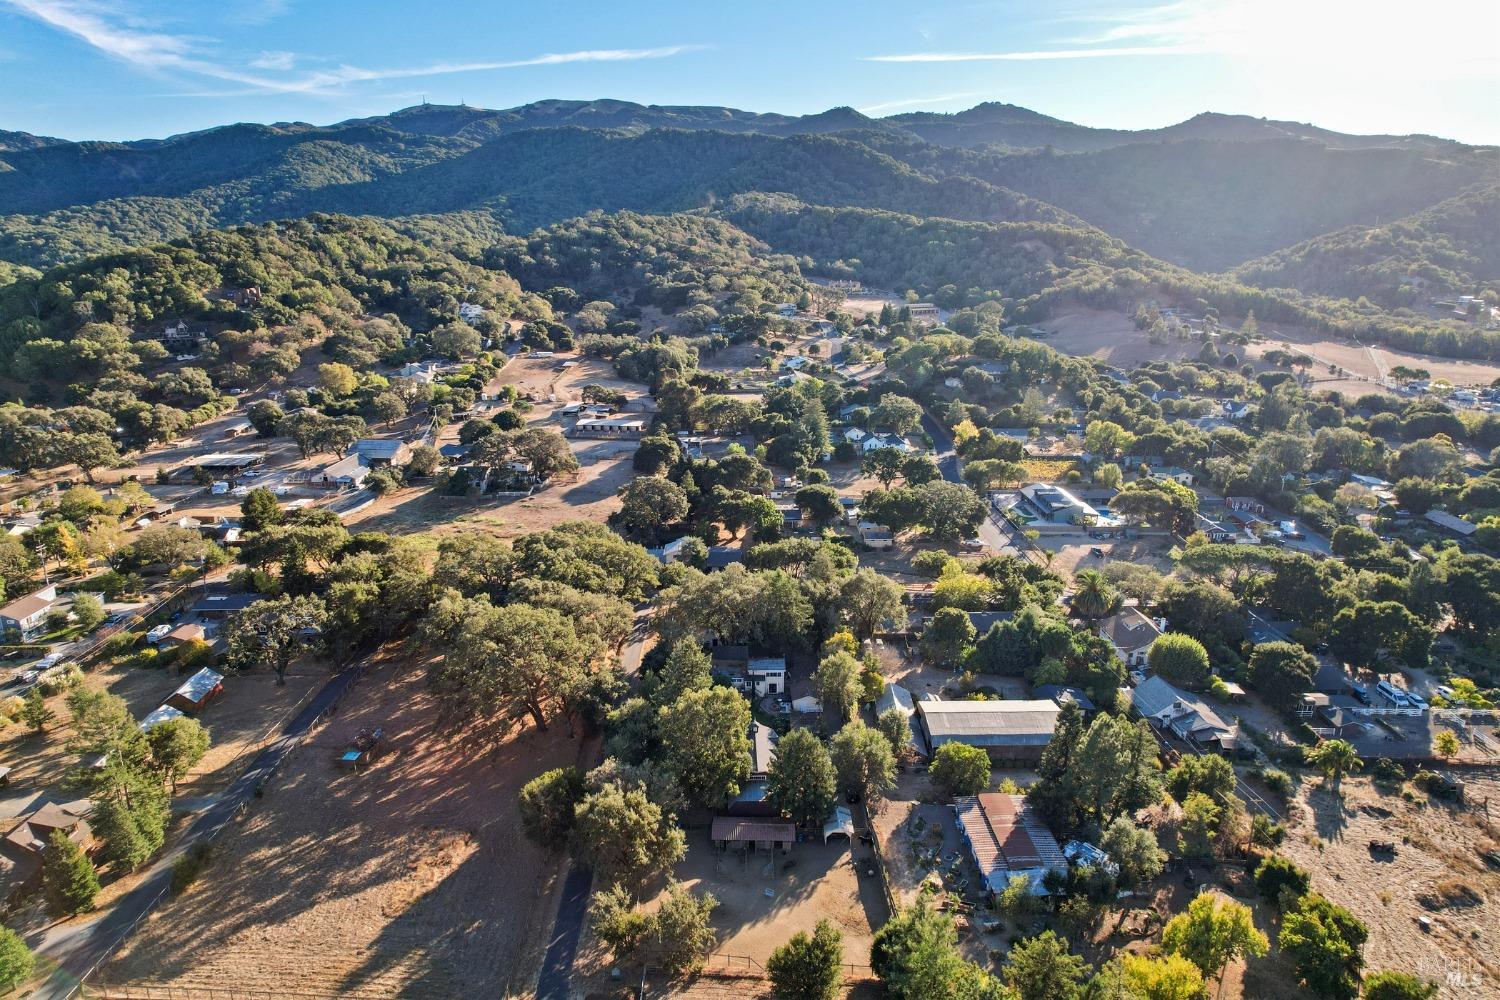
x,y
592,494
251,707
408,878
1112,336
1437,872
1070,555
762,902
821,884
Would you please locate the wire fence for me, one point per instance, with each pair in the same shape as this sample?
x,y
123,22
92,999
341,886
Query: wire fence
x,y
158,991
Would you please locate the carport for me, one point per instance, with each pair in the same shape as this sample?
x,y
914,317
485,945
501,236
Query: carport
x,y
751,833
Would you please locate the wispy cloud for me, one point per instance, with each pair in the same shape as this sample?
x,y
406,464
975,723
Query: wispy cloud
x,y
98,25
1324,34
915,102
275,60
1171,29
1037,54
253,13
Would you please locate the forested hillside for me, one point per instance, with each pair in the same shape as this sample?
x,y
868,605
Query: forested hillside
x,y
1209,193
1210,205
527,179
1448,249
1033,267
80,345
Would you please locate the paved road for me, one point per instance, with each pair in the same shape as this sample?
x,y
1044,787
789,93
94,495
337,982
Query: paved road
x,y
952,467
556,979
80,948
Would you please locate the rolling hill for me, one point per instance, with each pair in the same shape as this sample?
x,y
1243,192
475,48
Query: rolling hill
x,y
1210,194
1449,249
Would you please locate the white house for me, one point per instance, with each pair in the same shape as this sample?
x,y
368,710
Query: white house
x,y
469,312
767,675
875,536
877,441
672,551
24,617
1175,473
854,435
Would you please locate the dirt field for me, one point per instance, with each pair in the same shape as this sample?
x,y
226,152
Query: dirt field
x,y
1069,555
409,878
821,884
1112,336
251,707
1437,872
591,495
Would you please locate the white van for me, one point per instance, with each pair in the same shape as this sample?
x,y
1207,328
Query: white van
x,y
158,633
1393,694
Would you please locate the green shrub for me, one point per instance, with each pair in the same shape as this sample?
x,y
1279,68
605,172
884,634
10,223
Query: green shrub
x,y
1275,779
120,644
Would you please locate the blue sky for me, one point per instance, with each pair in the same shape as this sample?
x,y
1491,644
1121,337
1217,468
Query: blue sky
x,y
117,69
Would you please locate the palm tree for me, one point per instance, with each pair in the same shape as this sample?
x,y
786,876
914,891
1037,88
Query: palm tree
x,y
1094,596
1335,758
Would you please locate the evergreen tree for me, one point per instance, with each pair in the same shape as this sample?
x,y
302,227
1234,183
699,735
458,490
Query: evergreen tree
x,y
68,878
16,960
809,968
1054,795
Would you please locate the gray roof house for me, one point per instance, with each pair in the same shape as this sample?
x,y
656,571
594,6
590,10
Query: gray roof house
x,y
1187,716
381,451
1131,633
1006,730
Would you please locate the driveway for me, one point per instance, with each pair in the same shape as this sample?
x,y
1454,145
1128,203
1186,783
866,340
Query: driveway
x,y
79,948
556,979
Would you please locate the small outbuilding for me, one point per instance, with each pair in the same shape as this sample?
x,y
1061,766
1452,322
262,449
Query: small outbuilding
x,y
188,632
197,691
752,833
840,824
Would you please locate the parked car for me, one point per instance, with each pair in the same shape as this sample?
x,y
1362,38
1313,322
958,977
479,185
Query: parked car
x,y
158,633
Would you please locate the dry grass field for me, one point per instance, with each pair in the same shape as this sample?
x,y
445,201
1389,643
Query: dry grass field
x,y
408,878
1112,336
1437,872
